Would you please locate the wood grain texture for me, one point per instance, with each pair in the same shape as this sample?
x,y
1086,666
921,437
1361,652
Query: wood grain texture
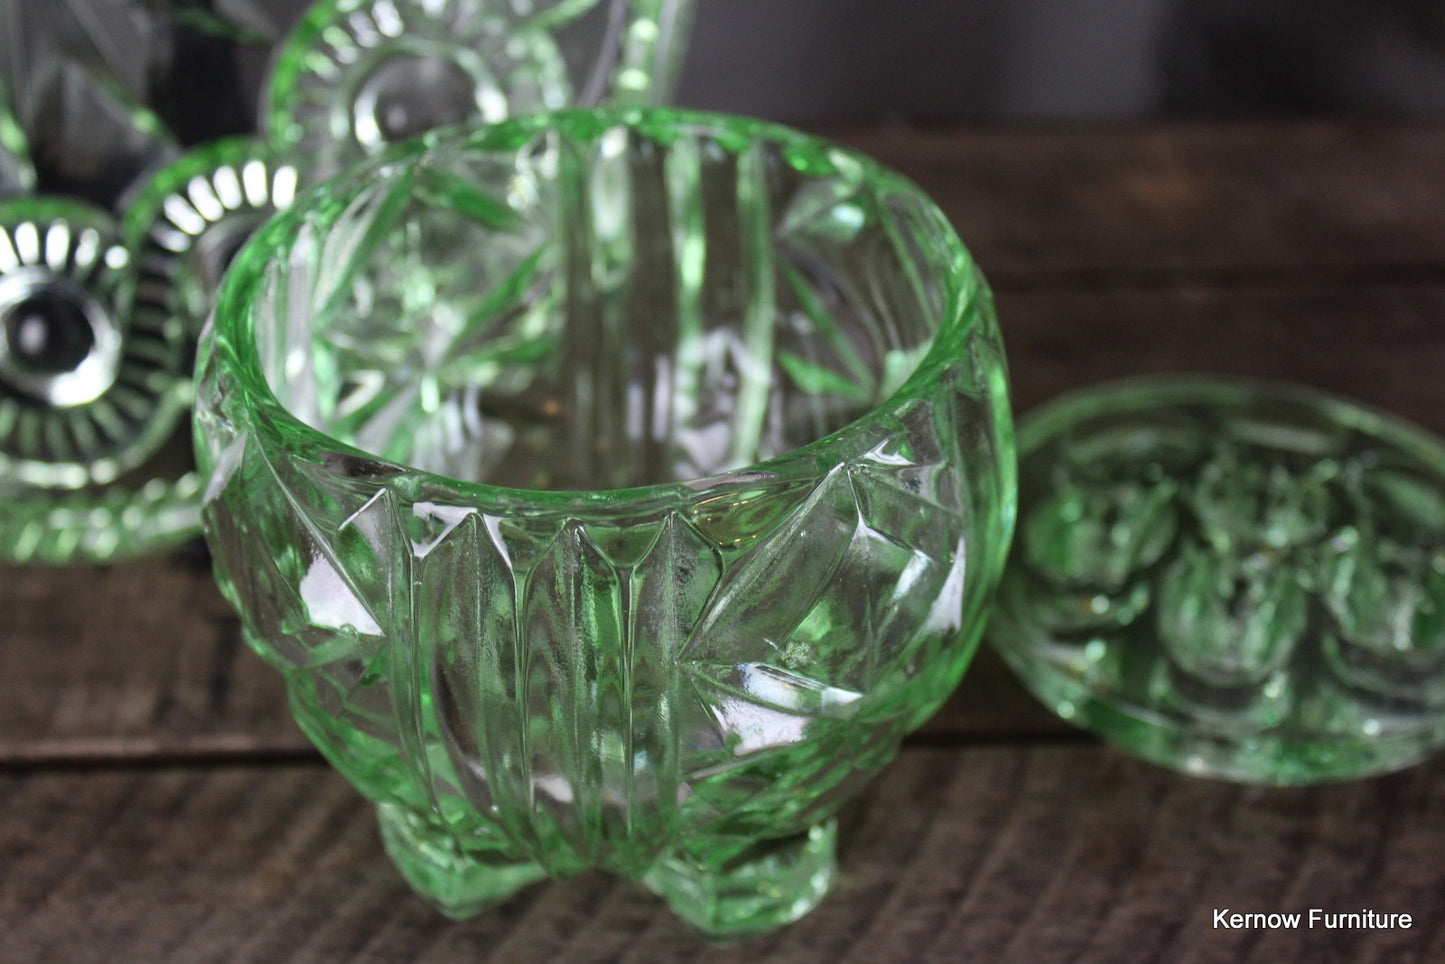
x,y
157,804
1149,206
1380,344
140,660
989,853
143,662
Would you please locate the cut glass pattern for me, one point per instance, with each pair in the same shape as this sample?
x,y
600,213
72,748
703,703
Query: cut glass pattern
x,y
356,76
613,491
87,394
79,74
1234,579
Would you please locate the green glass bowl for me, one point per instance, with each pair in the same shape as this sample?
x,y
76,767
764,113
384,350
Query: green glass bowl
x,y
17,173
91,399
613,490
1235,579
192,217
98,330
95,459
356,76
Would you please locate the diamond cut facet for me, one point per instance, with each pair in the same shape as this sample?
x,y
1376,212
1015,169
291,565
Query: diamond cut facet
x,y
738,567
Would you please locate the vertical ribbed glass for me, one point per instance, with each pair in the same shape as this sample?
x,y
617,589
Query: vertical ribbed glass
x,y
79,75
95,357
613,490
356,76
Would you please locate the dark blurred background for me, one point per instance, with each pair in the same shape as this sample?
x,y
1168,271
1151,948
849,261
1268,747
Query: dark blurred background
x,y
936,60
847,61
198,66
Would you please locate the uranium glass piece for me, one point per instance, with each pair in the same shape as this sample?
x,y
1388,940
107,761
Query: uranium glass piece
x,y
88,394
78,74
614,490
356,76
1236,579
17,173
123,41
192,219
179,58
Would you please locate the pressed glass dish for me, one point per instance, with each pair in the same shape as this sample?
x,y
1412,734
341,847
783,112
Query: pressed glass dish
x,y
94,451
193,216
104,477
79,74
356,76
17,174
1232,578
88,395
613,490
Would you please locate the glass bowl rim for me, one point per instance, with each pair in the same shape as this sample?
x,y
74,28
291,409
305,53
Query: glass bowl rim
x,y
1146,394
229,340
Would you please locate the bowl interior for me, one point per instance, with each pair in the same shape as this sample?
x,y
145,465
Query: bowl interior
x,y
589,305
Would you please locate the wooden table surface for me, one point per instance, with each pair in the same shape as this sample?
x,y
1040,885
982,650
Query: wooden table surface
x,y
157,803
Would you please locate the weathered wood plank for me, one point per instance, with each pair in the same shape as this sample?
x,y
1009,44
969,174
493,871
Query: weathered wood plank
x,y
989,853
1383,344
1312,252
1149,205
137,660
141,660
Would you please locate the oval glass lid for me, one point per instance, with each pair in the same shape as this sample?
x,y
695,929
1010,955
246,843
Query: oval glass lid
x,y
1235,579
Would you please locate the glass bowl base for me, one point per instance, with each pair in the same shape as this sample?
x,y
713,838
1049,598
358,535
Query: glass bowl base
x,y
761,888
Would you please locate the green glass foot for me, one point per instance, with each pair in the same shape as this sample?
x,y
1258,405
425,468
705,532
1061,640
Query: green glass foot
x,y
461,879
773,882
